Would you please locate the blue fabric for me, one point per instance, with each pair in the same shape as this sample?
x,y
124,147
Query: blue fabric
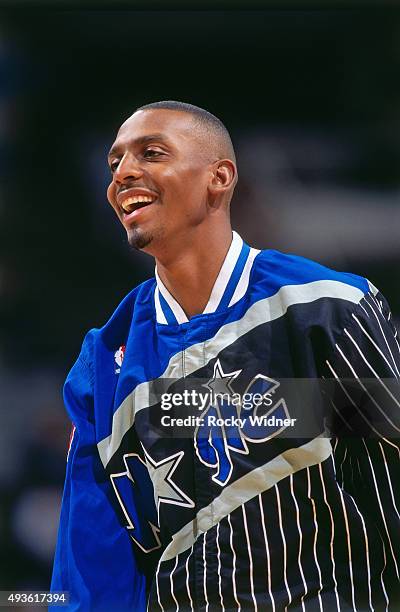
x,y
94,558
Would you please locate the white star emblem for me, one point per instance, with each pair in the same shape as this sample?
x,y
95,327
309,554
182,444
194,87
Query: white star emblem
x,y
166,490
130,526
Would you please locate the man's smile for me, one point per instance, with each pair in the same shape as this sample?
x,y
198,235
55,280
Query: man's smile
x,y
130,203
132,199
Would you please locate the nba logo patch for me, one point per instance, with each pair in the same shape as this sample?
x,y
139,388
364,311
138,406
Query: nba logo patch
x,y
119,357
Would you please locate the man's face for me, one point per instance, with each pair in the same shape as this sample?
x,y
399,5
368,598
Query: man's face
x,y
160,175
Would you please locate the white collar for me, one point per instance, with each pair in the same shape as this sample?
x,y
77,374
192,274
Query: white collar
x,y
169,310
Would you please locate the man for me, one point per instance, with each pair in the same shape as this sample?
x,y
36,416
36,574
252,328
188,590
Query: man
x,y
229,513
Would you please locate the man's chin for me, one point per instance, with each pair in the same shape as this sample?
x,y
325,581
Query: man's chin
x,y
139,240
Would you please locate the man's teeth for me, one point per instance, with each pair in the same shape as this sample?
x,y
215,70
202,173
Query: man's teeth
x,y
129,203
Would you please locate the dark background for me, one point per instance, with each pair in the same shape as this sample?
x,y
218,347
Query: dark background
x,y
312,100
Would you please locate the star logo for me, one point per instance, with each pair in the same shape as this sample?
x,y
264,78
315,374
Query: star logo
x,y
221,382
134,491
165,489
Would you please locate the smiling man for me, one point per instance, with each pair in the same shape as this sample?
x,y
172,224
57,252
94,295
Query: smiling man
x,y
249,508
173,179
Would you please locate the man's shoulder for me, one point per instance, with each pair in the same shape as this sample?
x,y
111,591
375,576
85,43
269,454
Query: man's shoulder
x,y
116,328
137,298
317,301
284,270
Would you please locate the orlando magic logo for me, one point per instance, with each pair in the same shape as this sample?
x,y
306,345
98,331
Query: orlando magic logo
x,y
227,426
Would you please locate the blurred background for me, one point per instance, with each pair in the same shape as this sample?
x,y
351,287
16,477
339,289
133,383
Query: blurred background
x,y
312,100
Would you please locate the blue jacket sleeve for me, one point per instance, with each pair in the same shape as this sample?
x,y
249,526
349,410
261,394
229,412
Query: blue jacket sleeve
x,y
94,558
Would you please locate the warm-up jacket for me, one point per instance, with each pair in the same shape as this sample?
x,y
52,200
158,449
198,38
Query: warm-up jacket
x,y
296,509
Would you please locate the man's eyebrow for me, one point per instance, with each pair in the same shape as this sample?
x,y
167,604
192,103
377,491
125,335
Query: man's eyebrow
x,y
138,141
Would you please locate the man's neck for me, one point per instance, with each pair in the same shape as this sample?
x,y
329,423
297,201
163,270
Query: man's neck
x,y
190,277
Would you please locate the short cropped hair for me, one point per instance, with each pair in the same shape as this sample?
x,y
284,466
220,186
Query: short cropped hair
x,y
205,120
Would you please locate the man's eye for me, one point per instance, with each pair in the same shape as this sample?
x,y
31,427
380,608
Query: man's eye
x,y
114,165
152,153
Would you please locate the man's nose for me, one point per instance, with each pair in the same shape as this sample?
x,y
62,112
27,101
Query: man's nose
x,y
128,168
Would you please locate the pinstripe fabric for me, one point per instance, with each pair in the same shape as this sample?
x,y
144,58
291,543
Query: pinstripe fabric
x,y
325,560
326,537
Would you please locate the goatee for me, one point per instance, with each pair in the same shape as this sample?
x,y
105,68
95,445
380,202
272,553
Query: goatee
x,y
138,240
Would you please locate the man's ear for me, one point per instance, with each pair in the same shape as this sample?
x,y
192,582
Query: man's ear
x,y
224,176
